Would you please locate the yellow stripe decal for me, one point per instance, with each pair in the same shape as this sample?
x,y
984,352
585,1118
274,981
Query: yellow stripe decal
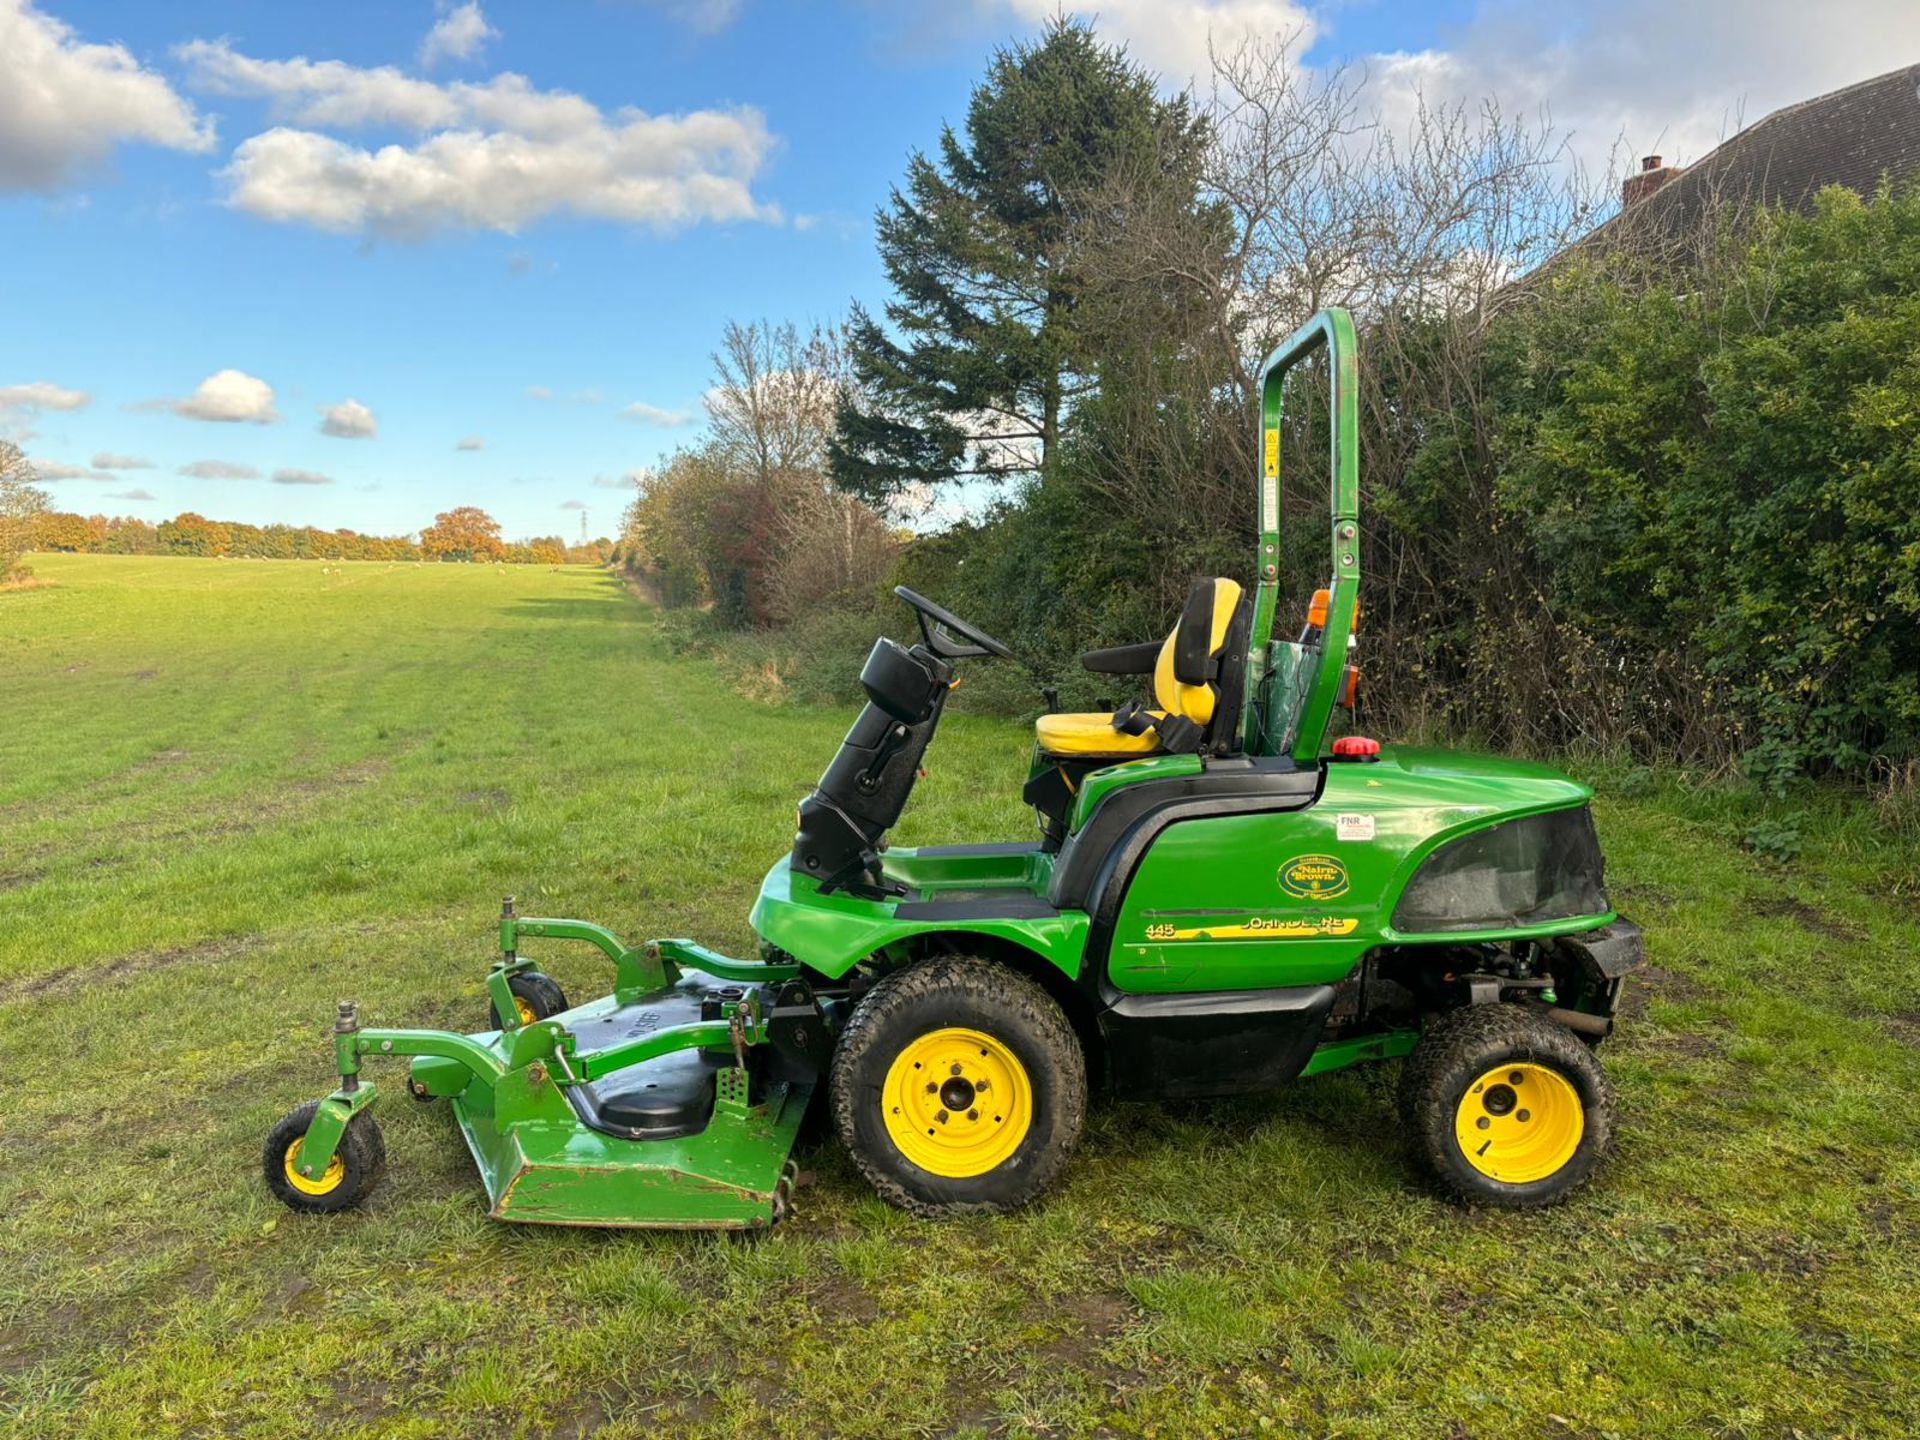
x,y
1259,929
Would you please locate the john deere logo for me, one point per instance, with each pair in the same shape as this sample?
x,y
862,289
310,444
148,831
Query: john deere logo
x,y
1314,877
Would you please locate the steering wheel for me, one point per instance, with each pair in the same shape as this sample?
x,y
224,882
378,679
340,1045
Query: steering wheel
x,y
936,623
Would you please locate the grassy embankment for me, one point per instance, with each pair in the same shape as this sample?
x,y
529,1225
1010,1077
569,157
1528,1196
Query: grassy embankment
x,y
232,792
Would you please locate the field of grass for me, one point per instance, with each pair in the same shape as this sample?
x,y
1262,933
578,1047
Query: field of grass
x,y
234,792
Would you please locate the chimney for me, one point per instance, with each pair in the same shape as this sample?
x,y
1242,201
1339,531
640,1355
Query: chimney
x,y
1653,174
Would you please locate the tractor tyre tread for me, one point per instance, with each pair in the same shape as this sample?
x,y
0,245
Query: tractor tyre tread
x,y
541,992
1459,1045
1024,1008
362,1147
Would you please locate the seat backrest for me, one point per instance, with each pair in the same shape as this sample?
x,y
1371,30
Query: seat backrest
x,y
1186,679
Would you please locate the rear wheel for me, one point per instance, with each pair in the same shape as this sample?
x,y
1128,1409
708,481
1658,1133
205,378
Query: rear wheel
x,y
1510,1109
536,996
958,1087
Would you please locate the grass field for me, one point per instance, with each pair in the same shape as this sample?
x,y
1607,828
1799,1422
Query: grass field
x,y
233,792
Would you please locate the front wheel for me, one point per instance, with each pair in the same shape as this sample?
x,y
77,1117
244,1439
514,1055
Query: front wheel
x,y
1510,1109
958,1087
358,1162
535,997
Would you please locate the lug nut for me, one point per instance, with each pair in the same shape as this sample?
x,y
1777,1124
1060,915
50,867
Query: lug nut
x,y
973,1114
956,1068
941,1117
1522,1115
1483,1122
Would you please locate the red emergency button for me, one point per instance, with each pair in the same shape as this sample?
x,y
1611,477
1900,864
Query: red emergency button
x,y
1356,747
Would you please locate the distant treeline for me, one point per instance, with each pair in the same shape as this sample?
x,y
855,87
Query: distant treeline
x,y
193,534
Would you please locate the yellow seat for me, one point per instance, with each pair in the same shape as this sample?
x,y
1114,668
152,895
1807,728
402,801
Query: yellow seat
x,y
1194,649
1092,735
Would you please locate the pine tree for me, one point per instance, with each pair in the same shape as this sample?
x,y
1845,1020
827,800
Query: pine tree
x,y
979,249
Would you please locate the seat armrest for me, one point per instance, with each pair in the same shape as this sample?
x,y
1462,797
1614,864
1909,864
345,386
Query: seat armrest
x,y
1124,659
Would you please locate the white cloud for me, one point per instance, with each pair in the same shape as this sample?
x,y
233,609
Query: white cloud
x,y
107,460
349,420
642,413
1645,75
60,470
471,442
132,495
1172,36
457,35
495,155
1673,80
707,17
38,395
289,476
573,504
229,396
539,392
65,104
628,481
219,470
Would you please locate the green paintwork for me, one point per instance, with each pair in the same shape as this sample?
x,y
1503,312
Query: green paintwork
x,y
1210,906
540,1164
1101,783
834,933
1304,704
538,1161
638,970
1338,1054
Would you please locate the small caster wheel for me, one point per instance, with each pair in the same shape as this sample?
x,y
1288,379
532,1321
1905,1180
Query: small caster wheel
x,y
537,996
357,1164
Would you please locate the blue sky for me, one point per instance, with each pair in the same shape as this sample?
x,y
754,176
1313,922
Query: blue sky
x,y
468,256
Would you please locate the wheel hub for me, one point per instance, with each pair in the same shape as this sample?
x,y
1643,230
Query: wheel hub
x,y
957,1102
328,1180
1518,1123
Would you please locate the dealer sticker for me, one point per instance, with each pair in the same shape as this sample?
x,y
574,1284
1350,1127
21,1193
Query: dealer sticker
x,y
1313,877
1353,827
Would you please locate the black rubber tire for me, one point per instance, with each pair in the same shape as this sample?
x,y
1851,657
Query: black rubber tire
x,y
1458,1047
362,1150
959,990
541,992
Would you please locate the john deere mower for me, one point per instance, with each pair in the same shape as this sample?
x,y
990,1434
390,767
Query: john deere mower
x,y
1222,898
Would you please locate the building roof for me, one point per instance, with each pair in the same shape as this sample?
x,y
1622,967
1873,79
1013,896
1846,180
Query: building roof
x,y
1851,137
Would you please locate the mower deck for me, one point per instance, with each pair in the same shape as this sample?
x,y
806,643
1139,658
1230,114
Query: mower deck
x,y
668,1143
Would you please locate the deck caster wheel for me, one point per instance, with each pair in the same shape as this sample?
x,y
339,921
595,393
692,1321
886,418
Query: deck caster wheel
x,y
537,996
959,1088
1510,1109
357,1165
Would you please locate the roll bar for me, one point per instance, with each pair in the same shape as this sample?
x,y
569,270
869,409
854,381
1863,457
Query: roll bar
x,y
1333,329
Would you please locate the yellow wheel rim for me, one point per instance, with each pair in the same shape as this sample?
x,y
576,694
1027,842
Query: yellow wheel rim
x,y
329,1180
1519,1123
957,1102
527,1017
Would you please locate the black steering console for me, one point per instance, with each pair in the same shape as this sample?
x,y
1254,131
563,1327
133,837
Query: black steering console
x,y
938,626
843,824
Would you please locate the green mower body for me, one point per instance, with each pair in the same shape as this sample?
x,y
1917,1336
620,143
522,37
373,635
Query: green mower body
x,y
1221,898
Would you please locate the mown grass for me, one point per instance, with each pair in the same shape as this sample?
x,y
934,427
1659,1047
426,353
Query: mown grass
x,y
232,792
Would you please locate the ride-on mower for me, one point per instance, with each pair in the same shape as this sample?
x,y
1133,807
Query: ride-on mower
x,y
1220,901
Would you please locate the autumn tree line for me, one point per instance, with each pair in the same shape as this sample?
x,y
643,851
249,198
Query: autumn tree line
x,y
1655,493
29,523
